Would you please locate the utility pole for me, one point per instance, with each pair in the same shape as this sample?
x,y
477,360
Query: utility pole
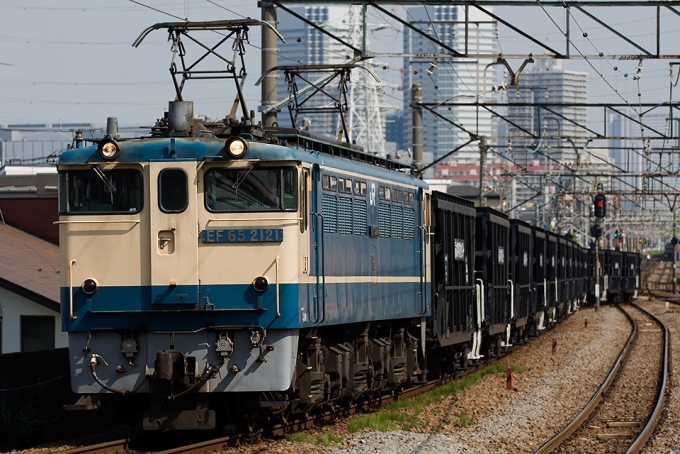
x,y
269,53
597,274
482,172
675,255
417,99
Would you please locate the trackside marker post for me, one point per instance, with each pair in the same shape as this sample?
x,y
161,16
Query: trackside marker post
x,y
508,378
554,345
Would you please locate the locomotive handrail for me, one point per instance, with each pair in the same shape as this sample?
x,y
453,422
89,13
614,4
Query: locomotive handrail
x,y
70,289
256,219
278,299
421,270
320,276
118,221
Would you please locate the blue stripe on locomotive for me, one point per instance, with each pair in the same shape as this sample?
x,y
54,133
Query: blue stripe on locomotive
x,y
239,305
344,257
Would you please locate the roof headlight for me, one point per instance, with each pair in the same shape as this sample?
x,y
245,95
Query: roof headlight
x,y
237,147
108,148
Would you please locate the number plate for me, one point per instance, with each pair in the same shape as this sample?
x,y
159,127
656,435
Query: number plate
x,y
242,236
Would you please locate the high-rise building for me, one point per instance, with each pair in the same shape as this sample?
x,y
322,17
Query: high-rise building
x,y
642,150
545,82
306,45
449,80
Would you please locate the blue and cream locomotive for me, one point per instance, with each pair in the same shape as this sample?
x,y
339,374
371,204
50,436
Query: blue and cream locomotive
x,y
196,265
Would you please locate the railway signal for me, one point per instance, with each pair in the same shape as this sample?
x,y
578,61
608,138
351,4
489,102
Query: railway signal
x,y
596,230
600,206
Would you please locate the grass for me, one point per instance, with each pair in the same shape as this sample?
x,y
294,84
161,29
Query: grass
x,y
403,413
464,420
24,427
327,439
382,421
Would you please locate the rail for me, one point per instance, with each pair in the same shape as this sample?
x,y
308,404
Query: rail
x,y
647,431
575,423
109,447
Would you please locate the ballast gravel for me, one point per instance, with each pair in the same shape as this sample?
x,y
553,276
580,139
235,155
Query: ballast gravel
x,y
666,438
552,390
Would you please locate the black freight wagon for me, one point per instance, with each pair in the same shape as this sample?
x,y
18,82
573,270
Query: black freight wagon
x,y
491,270
552,277
632,276
453,283
613,268
539,295
521,277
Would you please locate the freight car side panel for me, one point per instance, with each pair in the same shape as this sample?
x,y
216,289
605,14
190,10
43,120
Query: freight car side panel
x,y
453,300
521,270
540,293
491,265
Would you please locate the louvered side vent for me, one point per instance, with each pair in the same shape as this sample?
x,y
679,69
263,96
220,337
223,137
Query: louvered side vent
x,y
330,213
409,224
360,218
345,216
384,220
397,222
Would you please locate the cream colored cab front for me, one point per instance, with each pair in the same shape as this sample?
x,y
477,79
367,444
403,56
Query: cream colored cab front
x,y
173,233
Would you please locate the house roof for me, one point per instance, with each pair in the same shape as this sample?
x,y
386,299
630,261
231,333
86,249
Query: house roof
x,y
29,266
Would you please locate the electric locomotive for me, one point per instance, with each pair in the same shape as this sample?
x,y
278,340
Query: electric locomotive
x,y
201,264
216,272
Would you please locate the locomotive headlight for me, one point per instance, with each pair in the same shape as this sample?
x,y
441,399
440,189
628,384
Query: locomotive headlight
x,y
90,286
260,284
108,148
237,147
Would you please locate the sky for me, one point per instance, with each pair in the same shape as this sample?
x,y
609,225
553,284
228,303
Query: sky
x,y
73,61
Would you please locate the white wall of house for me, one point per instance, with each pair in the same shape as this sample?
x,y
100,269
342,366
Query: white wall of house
x,y
12,307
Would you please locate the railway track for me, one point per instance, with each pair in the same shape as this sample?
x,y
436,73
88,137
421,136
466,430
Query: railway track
x,y
149,443
623,413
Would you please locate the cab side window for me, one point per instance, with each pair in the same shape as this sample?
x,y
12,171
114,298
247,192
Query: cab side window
x,y
172,191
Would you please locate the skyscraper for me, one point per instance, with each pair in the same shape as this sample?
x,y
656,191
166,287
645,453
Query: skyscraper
x,y
545,82
447,80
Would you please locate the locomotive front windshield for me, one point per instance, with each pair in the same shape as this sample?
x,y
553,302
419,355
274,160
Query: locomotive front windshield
x,y
251,189
97,191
